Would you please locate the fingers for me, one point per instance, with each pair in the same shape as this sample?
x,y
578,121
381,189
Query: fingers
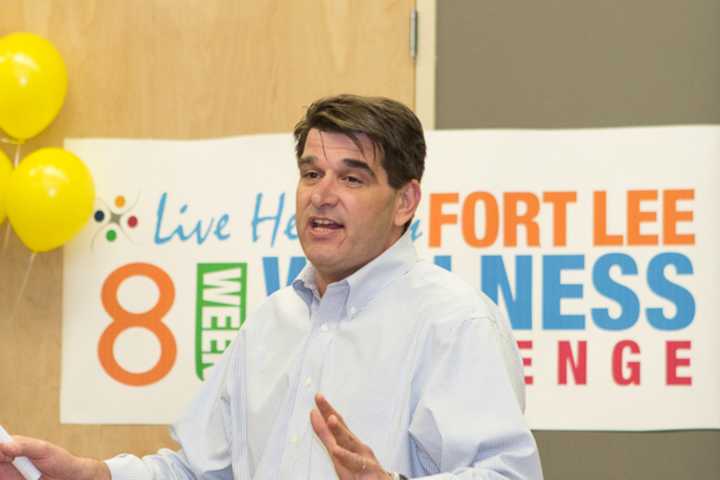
x,y
322,430
342,433
343,436
8,472
4,456
9,450
326,409
349,454
332,433
25,447
53,461
350,460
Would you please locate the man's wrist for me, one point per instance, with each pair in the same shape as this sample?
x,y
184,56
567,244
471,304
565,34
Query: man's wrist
x,y
396,476
95,469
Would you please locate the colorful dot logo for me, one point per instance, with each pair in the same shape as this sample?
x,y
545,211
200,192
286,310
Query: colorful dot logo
x,y
115,219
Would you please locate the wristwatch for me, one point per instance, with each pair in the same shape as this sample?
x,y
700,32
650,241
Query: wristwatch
x,y
397,476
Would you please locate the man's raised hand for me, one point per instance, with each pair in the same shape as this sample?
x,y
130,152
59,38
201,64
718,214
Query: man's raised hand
x,y
352,459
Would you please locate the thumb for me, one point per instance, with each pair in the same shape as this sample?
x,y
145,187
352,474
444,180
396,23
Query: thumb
x,y
25,447
9,450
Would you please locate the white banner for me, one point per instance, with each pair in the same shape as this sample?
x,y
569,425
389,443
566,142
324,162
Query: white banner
x,y
599,244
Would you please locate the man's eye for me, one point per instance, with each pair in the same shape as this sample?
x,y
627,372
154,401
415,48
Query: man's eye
x,y
310,175
353,180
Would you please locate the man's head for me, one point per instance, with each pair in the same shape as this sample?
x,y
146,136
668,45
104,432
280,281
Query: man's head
x,y
361,160
392,128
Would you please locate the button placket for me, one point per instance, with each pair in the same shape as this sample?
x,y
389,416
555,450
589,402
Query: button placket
x,y
299,428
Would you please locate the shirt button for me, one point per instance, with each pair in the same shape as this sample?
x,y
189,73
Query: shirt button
x,y
308,382
353,311
323,328
294,439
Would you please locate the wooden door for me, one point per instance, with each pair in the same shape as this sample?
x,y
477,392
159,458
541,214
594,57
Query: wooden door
x,y
174,69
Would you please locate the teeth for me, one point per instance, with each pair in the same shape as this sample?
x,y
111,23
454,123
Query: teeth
x,y
323,222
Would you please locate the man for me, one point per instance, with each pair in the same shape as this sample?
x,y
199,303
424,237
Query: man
x,y
405,350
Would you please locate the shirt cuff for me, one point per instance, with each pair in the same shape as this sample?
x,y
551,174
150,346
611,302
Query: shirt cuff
x,y
128,467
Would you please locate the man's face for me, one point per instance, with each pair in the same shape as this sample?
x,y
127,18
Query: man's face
x,y
346,212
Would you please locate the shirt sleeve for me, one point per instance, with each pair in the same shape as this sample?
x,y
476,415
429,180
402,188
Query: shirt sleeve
x,y
468,422
202,432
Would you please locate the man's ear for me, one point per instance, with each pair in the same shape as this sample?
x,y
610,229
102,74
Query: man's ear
x,y
408,201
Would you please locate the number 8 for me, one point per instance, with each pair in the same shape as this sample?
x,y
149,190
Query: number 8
x,y
150,320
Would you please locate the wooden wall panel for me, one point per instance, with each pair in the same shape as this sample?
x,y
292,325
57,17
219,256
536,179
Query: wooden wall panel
x,y
174,69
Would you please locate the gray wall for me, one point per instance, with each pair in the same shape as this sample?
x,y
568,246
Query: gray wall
x,y
570,63
602,63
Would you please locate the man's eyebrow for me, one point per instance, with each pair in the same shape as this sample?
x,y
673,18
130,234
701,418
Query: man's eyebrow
x,y
308,160
359,164
349,162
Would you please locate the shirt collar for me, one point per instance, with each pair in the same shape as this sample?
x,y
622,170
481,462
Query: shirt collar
x,y
304,284
367,282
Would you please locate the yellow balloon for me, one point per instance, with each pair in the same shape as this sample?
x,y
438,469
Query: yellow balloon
x,y
5,171
50,198
33,83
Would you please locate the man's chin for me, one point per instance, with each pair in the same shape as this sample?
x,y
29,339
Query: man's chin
x,y
323,261
321,247
326,259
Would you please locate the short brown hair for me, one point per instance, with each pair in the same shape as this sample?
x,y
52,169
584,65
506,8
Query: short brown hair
x,y
391,126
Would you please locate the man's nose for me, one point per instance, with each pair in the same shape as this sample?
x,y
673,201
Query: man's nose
x,y
324,192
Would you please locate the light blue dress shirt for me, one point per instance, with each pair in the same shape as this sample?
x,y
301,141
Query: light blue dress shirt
x,y
404,350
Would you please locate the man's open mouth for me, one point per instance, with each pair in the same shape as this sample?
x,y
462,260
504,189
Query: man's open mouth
x,y
325,223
